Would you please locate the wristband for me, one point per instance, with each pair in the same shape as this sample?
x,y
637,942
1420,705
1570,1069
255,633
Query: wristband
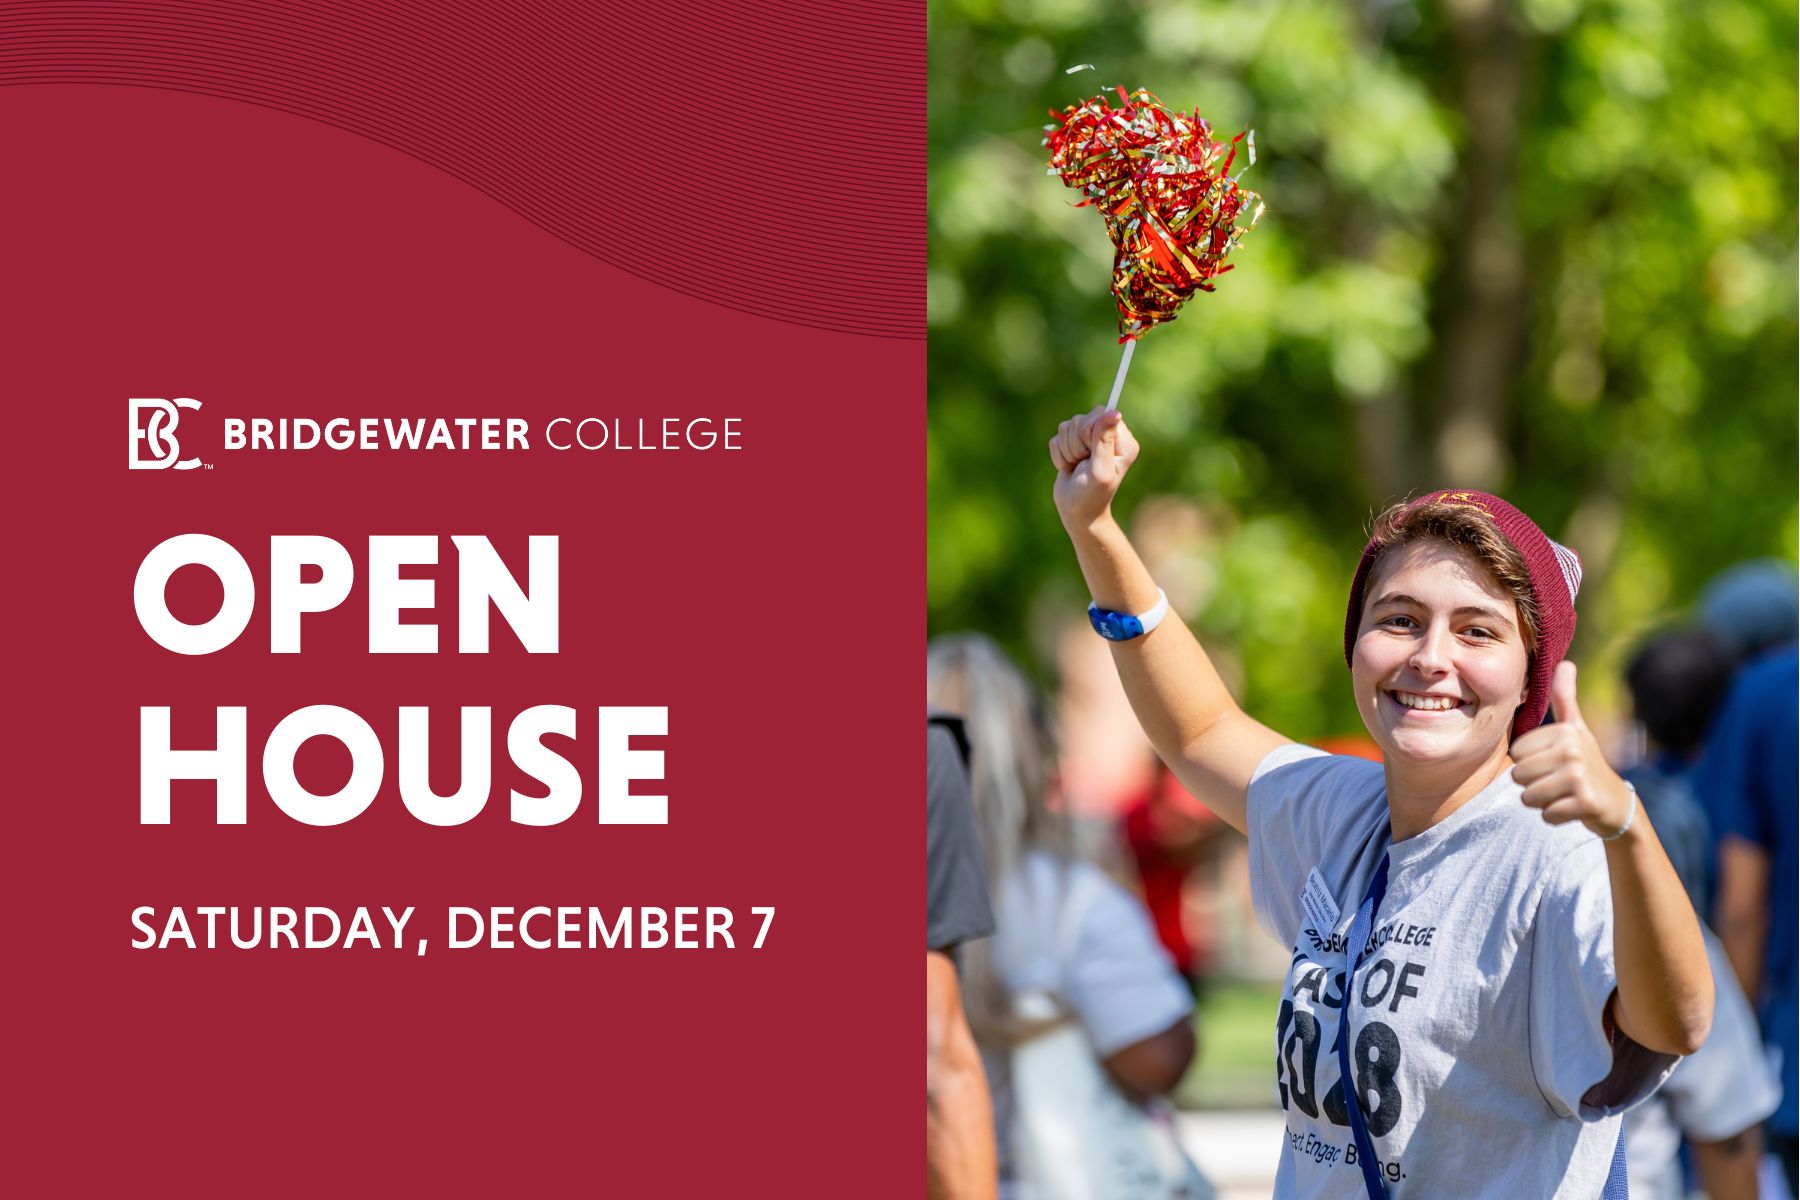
x,y
1122,627
1630,816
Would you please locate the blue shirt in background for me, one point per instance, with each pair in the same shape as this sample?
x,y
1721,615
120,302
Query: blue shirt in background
x,y
1749,783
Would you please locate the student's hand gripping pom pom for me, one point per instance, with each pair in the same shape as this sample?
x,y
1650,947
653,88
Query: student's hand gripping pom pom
x,y
1091,451
1563,771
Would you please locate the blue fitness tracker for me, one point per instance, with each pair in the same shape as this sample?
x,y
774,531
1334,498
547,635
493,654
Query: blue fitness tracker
x,y
1122,627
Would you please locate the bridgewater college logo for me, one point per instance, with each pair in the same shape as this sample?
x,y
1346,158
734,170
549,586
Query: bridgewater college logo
x,y
153,444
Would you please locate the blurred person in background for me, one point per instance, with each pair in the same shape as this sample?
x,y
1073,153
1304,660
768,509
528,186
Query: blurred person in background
x,y
1751,607
1748,782
959,1134
1064,929
1677,679
1169,835
1537,968
1718,1097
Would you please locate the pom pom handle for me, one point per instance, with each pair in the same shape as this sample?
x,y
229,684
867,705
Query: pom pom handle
x,y
1112,401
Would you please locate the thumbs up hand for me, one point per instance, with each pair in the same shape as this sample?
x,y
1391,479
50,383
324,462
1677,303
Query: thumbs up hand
x,y
1562,770
1091,453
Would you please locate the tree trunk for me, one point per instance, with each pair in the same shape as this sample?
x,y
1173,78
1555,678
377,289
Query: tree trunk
x,y
1481,325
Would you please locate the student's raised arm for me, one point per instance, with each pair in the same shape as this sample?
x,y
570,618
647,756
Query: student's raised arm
x,y
1179,699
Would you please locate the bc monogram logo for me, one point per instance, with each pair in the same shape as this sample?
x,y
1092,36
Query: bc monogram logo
x,y
1462,500
153,429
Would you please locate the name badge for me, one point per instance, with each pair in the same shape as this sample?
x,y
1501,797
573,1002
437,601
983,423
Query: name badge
x,y
1315,899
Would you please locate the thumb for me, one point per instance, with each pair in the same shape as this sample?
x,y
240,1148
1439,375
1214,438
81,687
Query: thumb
x,y
1562,695
1106,439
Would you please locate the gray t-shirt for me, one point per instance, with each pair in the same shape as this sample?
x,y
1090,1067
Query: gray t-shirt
x,y
956,898
1476,1020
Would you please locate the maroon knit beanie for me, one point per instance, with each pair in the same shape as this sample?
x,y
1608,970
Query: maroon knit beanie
x,y
1555,574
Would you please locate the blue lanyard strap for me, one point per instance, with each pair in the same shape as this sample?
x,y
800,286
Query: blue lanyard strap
x,y
1615,1187
1360,928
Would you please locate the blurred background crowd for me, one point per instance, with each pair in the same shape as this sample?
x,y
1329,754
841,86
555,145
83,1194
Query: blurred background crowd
x,y
1540,247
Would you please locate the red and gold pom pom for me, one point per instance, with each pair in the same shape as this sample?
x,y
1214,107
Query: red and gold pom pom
x,y
1167,194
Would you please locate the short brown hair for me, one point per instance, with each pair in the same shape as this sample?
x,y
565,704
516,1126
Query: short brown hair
x,y
1467,527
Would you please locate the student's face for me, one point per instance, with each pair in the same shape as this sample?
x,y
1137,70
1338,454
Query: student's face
x,y
1439,662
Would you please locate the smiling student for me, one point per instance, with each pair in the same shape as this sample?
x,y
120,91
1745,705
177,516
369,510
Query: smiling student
x,y
1523,962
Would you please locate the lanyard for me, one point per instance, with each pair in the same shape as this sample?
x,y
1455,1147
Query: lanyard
x,y
1360,929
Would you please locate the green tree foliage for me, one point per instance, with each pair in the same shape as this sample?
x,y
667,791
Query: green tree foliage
x,y
1541,246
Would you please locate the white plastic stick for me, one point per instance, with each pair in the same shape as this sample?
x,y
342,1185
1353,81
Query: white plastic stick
x,y
1112,401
